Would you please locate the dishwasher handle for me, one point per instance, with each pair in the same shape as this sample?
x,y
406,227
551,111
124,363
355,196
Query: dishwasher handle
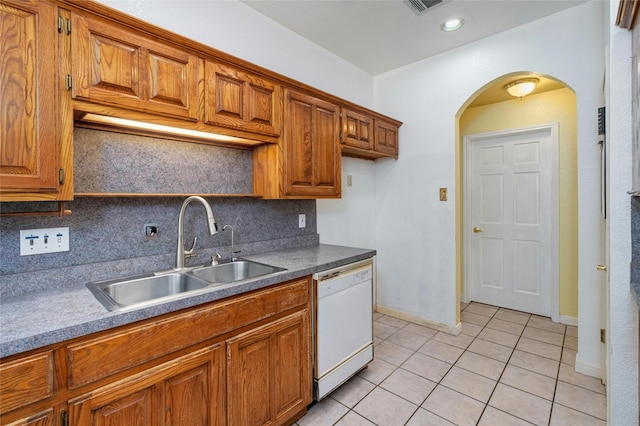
x,y
328,276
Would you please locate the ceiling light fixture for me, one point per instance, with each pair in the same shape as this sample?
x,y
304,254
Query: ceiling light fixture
x,y
452,24
522,87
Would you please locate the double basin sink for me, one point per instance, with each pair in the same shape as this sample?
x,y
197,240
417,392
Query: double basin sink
x,y
150,289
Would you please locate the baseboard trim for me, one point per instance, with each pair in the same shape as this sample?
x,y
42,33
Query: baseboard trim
x,y
568,320
419,320
588,369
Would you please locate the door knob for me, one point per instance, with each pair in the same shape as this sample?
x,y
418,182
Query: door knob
x,y
601,267
476,230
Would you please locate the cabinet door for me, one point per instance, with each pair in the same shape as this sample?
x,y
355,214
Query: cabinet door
x,y
357,130
311,146
241,100
386,137
184,392
29,152
117,67
269,372
44,418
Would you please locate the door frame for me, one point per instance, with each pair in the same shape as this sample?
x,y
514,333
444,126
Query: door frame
x,y
554,219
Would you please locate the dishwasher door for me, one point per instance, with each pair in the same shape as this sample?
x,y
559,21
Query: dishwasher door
x,y
344,325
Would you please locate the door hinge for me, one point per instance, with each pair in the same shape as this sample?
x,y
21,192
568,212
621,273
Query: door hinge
x,y
603,335
64,418
61,176
68,82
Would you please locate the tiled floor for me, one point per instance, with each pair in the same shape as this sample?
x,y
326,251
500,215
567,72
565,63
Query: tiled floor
x,y
505,368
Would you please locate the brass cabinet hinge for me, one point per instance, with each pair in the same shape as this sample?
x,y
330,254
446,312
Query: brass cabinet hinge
x,y
64,418
603,335
61,176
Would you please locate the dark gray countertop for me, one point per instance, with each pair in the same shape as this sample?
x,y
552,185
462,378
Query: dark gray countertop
x,y
40,318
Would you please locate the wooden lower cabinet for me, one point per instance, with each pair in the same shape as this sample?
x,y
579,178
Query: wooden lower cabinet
x,y
268,372
44,418
181,392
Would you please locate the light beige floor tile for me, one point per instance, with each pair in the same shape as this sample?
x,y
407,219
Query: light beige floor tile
x,y
506,326
492,350
407,339
384,408
408,385
546,324
352,392
480,364
581,399
563,416
521,404
382,330
326,412
495,417
539,348
512,316
420,329
469,384
461,340
499,337
463,306
529,381
471,329
572,331
480,309
568,374
441,351
377,371
423,417
427,367
354,419
543,335
394,322
377,315
535,363
569,356
392,353
571,343
474,318
454,406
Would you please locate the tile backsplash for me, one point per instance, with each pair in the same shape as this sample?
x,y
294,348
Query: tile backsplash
x,y
110,230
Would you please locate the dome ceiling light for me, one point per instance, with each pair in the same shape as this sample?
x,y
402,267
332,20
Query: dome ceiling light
x,y
521,87
452,24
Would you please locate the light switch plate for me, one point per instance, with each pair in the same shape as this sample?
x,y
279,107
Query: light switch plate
x,y
443,194
40,241
302,220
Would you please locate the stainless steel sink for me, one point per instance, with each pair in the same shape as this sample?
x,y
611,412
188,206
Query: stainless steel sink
x,y
134,292
234,271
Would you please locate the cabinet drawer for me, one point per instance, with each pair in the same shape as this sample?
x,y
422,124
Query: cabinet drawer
x,y
25,381
130,346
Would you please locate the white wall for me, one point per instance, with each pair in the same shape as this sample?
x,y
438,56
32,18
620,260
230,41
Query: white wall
x,y
415,231
622,327
235,28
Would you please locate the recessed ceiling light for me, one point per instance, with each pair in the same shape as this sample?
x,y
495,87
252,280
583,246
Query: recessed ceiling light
x,y
452,24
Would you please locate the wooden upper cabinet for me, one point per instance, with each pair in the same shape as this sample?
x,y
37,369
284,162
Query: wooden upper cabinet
x,y
117,67
31,152
311,146
241,100
357,129
386,139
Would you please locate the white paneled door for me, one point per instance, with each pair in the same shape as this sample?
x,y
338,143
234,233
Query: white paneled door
x,y
511,220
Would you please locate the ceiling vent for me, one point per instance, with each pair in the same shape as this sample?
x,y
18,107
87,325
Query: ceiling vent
x,y
421,6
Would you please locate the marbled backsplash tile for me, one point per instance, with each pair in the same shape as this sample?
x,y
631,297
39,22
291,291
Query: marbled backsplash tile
x,y
108,229
114,162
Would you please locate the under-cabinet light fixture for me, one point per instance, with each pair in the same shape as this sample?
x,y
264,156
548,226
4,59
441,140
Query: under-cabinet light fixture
x,y
522,87
166,130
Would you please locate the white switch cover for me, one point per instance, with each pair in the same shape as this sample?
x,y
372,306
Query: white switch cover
x,y
302,221
39,241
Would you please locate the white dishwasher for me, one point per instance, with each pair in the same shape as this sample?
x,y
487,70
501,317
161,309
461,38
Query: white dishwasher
x,y
343,335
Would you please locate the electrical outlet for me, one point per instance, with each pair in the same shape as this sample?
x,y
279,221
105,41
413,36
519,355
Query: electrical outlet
x,y
40,241
302,221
